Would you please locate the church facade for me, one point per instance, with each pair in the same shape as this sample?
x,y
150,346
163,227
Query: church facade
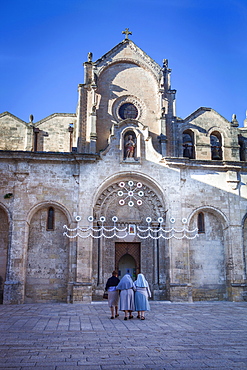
x,y
123,184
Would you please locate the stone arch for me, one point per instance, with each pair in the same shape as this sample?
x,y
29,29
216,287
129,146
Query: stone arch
x,y
216,128
4,243
216,145
108,198
217,212
208,255
47,257
47,204
219,130
105,251
155,73
188,143
187,128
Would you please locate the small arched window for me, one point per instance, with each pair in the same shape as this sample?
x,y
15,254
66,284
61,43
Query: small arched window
x,y
50,218
188,144
200,223
216,146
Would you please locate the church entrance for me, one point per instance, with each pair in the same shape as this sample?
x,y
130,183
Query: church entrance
x,y
127,259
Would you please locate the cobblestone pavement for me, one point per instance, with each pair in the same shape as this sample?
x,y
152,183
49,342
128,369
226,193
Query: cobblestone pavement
x,y
82,336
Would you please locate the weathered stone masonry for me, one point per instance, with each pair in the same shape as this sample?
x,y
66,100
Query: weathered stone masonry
x,y
72,164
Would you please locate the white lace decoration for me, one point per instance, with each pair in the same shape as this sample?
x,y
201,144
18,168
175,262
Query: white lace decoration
x,y
142,232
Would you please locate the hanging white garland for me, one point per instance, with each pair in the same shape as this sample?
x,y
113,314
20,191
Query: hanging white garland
x,y
121,233
129,194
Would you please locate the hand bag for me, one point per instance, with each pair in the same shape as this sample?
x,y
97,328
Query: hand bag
x,y
105,295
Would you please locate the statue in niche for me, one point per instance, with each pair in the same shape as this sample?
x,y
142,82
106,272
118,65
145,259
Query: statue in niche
x,y
129,147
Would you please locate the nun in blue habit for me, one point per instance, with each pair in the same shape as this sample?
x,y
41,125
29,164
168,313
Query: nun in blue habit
x,y
126,303
142,292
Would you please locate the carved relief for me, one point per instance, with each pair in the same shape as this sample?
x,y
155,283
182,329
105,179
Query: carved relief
x,y
108,205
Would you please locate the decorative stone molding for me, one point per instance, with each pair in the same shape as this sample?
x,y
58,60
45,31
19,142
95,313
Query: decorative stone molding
x,y
110,197
129,99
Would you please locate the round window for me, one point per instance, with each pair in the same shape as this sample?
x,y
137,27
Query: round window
x,y
128,110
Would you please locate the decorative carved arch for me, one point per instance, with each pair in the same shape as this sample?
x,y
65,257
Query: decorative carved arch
x,y
108,202
141,107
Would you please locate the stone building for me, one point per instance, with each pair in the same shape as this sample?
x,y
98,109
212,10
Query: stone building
x,y
126,160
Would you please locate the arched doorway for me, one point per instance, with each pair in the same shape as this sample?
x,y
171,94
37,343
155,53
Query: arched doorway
x,y
127,265
150,255
127,259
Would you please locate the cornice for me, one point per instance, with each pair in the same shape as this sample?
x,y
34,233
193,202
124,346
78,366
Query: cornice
x,y
48,156
53,116
221,166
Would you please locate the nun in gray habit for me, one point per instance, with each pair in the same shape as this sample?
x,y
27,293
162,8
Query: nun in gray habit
x,y
126,296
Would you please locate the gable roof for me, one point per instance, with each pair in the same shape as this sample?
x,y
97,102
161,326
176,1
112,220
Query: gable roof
x,y
200,111
139,58
13,116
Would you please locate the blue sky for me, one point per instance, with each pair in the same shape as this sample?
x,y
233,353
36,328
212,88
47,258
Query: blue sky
x,y
45,42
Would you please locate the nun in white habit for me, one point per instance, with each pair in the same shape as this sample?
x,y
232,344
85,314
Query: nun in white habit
x,y
127,303
142,292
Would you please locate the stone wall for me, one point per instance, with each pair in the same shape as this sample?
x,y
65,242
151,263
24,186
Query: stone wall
x,y
53,164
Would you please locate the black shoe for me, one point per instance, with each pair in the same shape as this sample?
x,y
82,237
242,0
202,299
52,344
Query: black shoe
x,y
112,317
126,318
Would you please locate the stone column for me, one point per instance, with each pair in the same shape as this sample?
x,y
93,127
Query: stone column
x,y
15,276
93,134
15,279
235,264
180,289
81,126
82,289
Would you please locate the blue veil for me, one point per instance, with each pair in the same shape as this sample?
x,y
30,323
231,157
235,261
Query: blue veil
x,y
125,283
141,281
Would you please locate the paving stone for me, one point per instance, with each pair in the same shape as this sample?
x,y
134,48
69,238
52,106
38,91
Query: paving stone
x,y
203,335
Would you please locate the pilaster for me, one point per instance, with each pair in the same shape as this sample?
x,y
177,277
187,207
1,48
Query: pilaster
x,y
15,279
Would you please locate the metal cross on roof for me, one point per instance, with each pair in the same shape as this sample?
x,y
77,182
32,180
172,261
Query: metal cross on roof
x,y
127,33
